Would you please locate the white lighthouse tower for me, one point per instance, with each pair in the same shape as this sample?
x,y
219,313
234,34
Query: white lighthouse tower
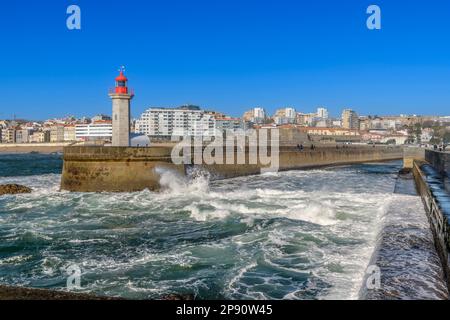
x,y
121,100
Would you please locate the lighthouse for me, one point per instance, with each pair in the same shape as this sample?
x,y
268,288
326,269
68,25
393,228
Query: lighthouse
x,y
121,100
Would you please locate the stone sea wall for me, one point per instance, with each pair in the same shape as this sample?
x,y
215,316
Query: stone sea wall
x,y
410,154
431,185
115,169
32,147
97,169
439,160
408,263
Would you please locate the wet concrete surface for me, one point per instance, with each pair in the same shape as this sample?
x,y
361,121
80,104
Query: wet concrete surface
x,y
406,255
439,186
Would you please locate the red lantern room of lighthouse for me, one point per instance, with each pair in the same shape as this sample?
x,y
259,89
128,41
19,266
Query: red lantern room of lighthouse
x,y
121,84
121,87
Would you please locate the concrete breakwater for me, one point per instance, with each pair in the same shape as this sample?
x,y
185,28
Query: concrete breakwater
x,y
431,184
112,169
408,262
414,243
21,148
439,160
116,169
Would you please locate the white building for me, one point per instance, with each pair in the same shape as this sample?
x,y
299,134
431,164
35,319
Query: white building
x,y
336,123
322,113
232,124
93,131
398,138
323,123
259,115
163,123
285,116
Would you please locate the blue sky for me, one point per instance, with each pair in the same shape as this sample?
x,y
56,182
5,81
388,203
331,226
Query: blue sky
x,y
226,55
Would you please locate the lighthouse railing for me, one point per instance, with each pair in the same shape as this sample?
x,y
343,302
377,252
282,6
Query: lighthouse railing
x,y
130,91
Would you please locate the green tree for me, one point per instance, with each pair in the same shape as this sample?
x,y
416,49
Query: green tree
x,y
447,137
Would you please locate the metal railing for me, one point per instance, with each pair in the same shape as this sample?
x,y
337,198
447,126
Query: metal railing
x,y
130,91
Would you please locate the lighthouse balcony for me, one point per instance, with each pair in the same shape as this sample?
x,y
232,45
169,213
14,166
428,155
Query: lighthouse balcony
x,y
121,90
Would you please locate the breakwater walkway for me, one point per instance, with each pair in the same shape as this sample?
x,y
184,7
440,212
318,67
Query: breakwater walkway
x,y
98,169
432,176
409,264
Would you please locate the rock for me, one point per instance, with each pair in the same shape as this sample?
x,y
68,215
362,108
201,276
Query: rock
x,y
13,189
18,293
178,297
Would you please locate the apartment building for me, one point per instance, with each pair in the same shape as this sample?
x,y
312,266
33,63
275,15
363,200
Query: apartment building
x,y
163,123
306,119
8,135
231,124
256,116
285,116
57,133
323,113
100,130
22,135
40,136
70,133
350,119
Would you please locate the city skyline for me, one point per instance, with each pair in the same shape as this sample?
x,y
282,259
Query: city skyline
x,y
239,56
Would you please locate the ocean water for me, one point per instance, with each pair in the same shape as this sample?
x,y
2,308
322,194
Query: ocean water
x,y
291,235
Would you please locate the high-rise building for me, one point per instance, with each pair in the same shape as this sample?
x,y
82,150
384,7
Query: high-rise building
x,y
256,116
259,115
322,113
350,119
285,116
121,100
